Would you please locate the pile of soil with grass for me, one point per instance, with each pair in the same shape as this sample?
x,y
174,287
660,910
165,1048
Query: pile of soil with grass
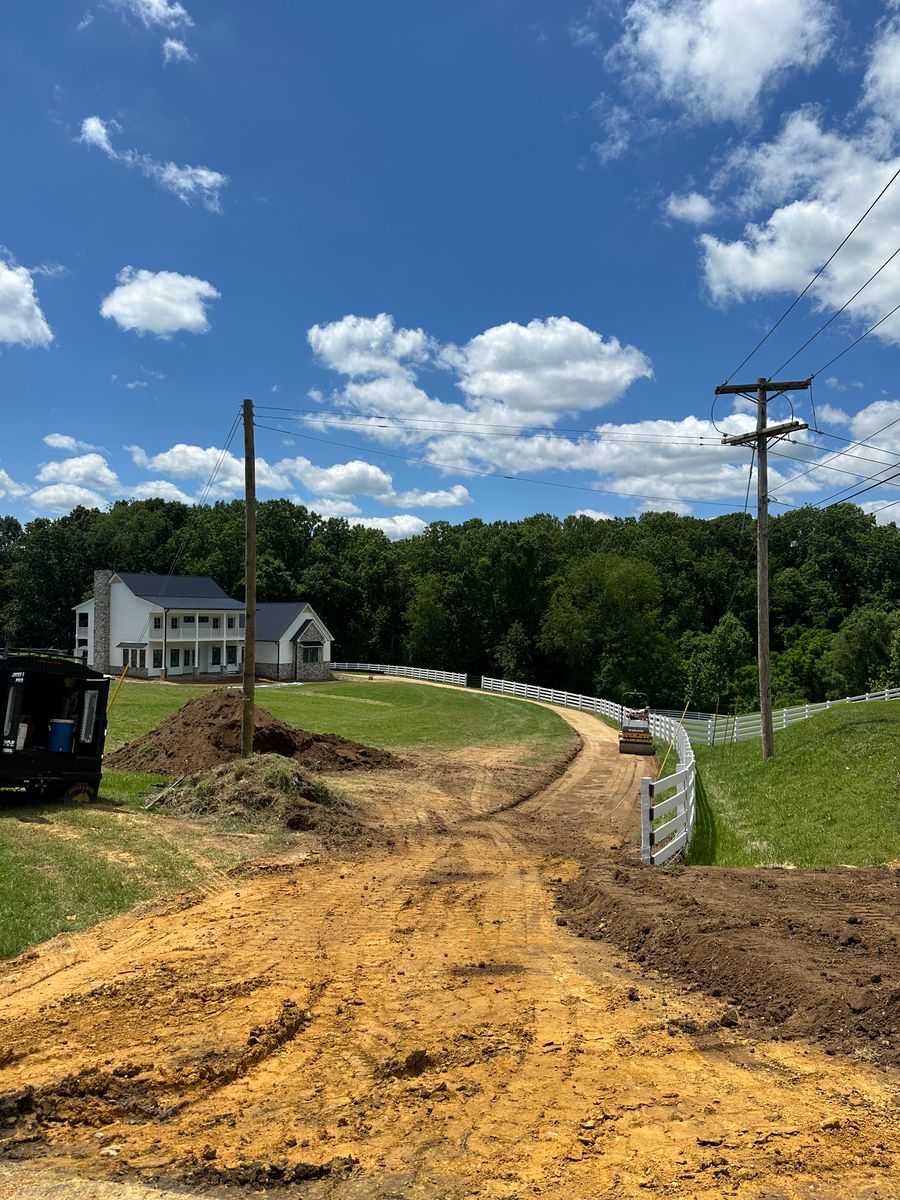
x,y
266,790
206,732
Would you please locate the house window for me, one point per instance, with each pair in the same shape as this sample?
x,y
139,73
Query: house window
x,y
126,658
157,622
216,656
188,657
188,620
157,659
312,654
82,620
230,622
231,655
215,623
203,620
142,659
174,658
82,641
173,622
242,620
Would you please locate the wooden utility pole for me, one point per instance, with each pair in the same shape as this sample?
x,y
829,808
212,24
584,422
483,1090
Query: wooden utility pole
x,y
249,693
761,437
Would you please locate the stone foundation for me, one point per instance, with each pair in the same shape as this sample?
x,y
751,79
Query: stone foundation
x,y
285,673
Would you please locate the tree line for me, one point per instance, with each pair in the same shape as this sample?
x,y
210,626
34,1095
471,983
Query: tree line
x,y
661,603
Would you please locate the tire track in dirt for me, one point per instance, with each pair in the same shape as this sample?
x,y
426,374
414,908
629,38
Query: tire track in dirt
x,y
448,1038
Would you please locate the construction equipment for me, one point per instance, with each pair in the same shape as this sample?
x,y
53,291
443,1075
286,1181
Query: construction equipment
x,y
53,711
634,734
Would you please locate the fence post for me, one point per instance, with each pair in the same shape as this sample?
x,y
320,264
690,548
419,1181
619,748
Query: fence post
x,y
646,801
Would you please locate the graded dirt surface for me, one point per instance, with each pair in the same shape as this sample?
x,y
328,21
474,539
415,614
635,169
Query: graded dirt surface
x,y
419,1021
206,732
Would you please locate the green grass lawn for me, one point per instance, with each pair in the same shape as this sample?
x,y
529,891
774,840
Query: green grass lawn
x,y
65,868
388,714
828,796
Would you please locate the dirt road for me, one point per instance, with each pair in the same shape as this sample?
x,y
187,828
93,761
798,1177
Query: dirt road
x,y
418,1022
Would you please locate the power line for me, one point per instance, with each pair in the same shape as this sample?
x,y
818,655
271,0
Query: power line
x,y
847,349
803,474
451,426
861,492
818,273
838,312
500,474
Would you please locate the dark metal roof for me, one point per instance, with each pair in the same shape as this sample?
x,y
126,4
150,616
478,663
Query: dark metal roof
x,y
131,645
274,620
178,591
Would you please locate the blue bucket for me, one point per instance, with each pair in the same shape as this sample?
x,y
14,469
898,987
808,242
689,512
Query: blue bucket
x,y
62,735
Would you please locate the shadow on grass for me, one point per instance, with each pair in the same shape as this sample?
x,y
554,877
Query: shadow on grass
x,y
705,838
19,806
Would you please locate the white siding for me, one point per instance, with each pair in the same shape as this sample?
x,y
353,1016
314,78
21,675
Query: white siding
x,y
267,652
129,620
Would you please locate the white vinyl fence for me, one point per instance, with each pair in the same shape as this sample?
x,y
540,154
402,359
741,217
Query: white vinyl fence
x,y
721,729
667,823
404,672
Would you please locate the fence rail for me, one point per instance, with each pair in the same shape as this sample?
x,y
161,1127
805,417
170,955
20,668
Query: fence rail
x,y
404,672
720,729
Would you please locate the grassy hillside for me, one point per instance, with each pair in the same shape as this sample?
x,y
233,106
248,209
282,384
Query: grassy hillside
x,y
829,796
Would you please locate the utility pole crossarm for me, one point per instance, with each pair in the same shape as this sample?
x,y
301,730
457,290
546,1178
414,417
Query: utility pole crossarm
x,y
736,389
744,439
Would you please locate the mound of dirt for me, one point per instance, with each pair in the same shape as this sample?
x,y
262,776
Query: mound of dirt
x,y
206,732
810,954
267,789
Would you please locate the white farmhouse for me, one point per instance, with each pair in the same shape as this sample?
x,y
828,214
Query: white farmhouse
x,y
160,625
168,626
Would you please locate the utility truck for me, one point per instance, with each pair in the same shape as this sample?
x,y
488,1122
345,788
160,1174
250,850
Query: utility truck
x,y
634,733
53,711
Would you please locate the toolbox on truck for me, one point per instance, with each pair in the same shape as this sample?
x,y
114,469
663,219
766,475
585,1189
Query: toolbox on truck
x,y
53,711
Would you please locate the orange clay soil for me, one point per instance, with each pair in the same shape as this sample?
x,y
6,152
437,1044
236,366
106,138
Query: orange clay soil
x,y
417,1020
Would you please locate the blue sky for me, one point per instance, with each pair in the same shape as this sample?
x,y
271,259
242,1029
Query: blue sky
x,y
459,254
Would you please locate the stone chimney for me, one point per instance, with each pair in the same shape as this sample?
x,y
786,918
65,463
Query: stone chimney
x,y
100,658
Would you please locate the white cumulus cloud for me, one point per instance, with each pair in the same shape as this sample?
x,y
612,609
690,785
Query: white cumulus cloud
x,y
86,470
188,183
815,184
21,320
368,345
451,497
160,489
159,302
594,514
354,478
9,489
333,508
63,497
715,58
185,461
546,368
404,525
693,208
64,441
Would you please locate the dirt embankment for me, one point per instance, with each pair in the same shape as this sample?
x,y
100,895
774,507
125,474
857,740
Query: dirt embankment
x,y
806,954
206,732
